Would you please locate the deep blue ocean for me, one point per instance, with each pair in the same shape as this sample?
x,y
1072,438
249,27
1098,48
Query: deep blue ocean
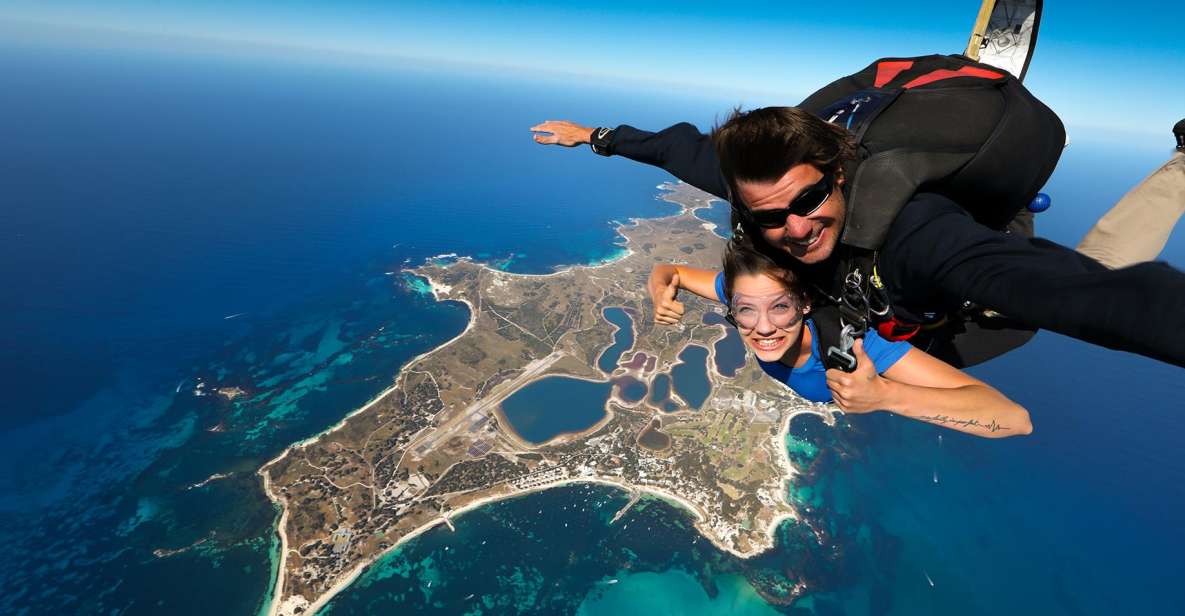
x,y
173,223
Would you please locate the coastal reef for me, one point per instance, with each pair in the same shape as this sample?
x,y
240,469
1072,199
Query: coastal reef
x,y
439,441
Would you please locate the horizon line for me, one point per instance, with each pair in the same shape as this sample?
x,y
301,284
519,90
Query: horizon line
x,y
301,51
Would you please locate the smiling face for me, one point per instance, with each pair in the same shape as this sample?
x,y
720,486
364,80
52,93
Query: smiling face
x,y
769,317
810,238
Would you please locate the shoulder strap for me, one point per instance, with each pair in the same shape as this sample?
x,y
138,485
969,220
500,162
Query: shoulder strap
x,y
857,110
880,185
884,183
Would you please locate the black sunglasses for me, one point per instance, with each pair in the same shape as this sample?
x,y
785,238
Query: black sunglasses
x,y
804,204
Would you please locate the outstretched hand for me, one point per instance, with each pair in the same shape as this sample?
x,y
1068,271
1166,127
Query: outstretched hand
x,y
859,391
561,132
667,310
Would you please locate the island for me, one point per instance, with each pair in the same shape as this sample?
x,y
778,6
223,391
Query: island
x,y
442,439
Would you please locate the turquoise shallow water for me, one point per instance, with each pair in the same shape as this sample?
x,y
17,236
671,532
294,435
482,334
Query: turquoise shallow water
x,y
510,557
1080,518
258,257
128,254
673,593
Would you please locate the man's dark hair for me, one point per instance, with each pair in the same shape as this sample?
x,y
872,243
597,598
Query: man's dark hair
x,y
763,144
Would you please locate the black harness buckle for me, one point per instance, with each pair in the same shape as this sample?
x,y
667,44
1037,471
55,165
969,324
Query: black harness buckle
x,y
841,357
853,319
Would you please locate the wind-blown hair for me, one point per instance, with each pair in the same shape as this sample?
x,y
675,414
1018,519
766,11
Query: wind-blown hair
x,y
761,145
742,258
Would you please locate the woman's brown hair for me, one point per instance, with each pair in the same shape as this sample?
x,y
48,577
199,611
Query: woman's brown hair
x,y
742,258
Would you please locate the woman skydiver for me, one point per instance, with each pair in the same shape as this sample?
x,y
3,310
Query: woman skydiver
x,y
768,306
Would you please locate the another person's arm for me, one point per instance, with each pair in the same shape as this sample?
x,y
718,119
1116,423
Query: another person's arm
x,y
681,150
927,389
665,282
935,248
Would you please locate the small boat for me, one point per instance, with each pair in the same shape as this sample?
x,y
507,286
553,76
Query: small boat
x,y
612,581
928,578
936,476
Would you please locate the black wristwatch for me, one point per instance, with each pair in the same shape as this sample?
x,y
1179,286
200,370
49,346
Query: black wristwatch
x,y
599,140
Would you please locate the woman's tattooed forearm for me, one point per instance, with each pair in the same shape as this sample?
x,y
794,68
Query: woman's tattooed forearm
x,y
946,420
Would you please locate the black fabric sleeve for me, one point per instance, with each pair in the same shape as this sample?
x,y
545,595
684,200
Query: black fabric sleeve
x,y
935,252
681,150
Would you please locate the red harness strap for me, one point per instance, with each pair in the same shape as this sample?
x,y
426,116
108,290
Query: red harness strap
x,y
886,71
943,73
895,330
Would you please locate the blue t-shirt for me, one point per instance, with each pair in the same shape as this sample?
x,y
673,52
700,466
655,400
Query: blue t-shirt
x,y
810,381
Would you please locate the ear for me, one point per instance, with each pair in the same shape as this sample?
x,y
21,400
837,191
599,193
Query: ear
x,y
806,309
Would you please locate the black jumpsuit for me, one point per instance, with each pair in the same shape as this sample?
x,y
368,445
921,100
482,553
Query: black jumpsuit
x,y
936,257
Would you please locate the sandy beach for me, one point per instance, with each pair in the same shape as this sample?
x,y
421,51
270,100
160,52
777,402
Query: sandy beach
x,y
342,584
277,592
440,292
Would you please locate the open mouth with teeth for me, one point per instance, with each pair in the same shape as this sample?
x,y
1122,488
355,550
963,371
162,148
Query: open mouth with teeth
x,y
767,344
807,241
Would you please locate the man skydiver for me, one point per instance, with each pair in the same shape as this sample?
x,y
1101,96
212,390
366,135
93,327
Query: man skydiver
x,y
1149,211
788,175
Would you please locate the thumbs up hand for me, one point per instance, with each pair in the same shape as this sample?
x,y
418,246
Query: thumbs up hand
x,y
664,286
859,391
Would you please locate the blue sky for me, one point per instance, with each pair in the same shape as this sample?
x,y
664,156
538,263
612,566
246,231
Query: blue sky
x,y
1097,66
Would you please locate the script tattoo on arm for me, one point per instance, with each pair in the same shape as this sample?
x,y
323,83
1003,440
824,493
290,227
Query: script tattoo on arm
x,y
991,426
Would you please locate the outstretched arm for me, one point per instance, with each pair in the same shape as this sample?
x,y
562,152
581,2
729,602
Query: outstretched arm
x,y
561,132
681,150
665,282
924,388
936,249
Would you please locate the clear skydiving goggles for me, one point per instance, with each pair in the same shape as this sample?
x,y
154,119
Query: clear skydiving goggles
x,y
781,310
